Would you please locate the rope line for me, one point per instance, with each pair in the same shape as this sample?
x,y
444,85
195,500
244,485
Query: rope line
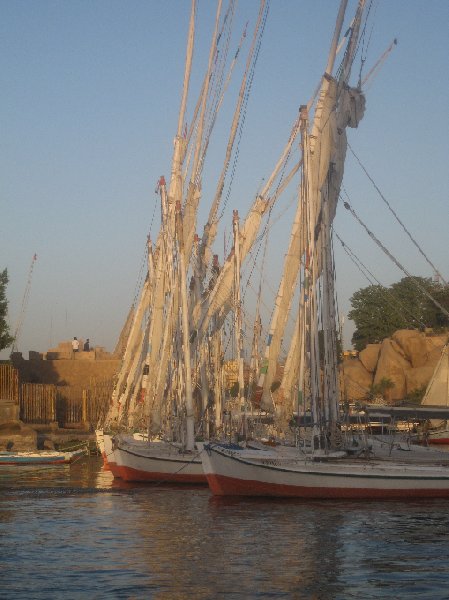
x,y
362,268
396,216
395,261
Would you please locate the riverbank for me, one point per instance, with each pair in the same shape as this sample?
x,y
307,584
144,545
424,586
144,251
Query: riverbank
x,y
18,436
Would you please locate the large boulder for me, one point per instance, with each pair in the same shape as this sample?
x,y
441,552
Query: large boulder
x,y
413,345
392,365
434,345
417,378
369,357
357,380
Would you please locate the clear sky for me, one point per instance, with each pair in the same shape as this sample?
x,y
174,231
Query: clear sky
x,y
89,105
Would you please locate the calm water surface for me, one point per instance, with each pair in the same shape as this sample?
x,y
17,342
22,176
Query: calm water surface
x,y
73,532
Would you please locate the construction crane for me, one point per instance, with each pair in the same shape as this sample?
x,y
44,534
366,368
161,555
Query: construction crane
x,y
26,297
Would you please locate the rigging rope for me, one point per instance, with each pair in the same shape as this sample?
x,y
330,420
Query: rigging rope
x,y
396,262
365,271
364,50
379,62
217,86
244,107
396,216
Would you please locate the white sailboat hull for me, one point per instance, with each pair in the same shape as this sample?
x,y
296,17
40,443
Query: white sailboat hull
x,y
238,472
108,451
101,444
157,461
104,443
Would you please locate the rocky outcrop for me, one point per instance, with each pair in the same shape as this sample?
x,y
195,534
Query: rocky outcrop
x,y
413,345
417,378
369,357
407,360
434,345
392,365
357,379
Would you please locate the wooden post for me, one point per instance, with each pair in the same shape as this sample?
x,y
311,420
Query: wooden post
x,y
53,406
84,407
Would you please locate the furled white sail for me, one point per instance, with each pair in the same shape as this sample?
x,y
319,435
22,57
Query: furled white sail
x,y
327,165
320,165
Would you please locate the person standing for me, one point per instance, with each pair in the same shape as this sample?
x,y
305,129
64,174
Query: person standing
x,y
86,345
75,345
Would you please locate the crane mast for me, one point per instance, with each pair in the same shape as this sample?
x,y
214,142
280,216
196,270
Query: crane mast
x,y
26,297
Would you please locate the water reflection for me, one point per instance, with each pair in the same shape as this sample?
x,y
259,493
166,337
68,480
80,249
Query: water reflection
x,y
294,548
79,533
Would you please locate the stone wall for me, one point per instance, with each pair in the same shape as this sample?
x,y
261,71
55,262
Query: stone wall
x,y
75,372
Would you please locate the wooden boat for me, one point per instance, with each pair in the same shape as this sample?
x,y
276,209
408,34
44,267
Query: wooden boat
x,y
109,452
331,466
100,440
40,457
139,460
235,471
154,388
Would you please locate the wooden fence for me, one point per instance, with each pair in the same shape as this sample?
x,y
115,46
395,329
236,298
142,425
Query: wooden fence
x,y
76,405
37,403
9,383
68,406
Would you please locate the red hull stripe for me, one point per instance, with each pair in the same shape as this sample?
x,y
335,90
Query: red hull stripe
x,y
106,466
115,469
130,474
437,441
228,486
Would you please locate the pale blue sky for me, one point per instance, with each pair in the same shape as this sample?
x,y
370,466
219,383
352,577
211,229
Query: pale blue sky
x,y
89,104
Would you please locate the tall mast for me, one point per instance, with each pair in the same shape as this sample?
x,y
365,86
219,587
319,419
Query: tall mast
x,y
194,189
328,71
346,107
163,285
190,415
238,321
211,226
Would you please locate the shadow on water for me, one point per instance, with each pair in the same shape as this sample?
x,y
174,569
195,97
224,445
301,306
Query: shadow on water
x,y
85,476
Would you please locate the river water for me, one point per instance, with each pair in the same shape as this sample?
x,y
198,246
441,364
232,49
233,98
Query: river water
x,y
75,532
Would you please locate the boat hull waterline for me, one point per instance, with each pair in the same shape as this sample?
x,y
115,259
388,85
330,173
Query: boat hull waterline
x,y
230,473
145,462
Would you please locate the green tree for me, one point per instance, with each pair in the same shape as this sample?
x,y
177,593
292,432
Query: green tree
x,y
373,315
5,339
378,311
416,395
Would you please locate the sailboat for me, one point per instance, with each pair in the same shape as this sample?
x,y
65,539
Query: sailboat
x,y
328,462
154,390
